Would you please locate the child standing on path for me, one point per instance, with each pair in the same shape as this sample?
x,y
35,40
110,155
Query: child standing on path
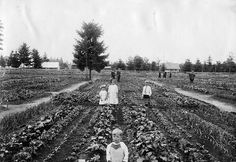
x,y
103,95
146,94
117,151
113,93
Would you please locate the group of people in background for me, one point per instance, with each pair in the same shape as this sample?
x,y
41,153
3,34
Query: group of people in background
x,y
115,74
165,74
191,75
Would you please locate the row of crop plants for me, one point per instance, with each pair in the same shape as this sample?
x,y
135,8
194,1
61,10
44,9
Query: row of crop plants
x,y
197,128
225,120
174,148
19,88
25,144
31,139
220,87
208,124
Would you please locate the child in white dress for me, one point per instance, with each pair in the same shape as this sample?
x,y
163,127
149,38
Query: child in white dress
x,y
117,151
113,93
103,95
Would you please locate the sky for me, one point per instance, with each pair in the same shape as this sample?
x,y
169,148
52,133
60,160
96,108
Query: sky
x,y
165,30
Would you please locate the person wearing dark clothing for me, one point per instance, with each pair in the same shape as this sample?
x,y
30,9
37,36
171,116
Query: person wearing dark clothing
x,y
113,74
170,75
191,77
118,75
159,74
164,75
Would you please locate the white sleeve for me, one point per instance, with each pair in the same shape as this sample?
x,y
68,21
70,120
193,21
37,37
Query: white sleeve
x,y
109,92
143,91
126,152
108,156
100,93
150,91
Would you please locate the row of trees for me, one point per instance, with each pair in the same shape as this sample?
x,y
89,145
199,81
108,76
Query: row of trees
x,y
139,63
23,56
207,66
89,54
29,58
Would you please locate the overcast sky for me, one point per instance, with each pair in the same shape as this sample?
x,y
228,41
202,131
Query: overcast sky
x,y
171,30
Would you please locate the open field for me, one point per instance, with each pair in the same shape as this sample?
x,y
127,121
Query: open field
x,y
221,85
23,85
73,126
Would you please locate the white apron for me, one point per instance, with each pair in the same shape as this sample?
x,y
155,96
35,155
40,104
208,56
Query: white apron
x,y
113,94
103,96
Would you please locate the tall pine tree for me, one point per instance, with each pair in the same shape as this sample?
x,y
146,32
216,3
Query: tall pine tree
x,y
187,66
24,54
197,66
36,60
14,60
88,50
2,61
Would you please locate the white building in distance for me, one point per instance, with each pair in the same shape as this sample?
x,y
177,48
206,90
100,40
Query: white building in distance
x,y
51,65
171,67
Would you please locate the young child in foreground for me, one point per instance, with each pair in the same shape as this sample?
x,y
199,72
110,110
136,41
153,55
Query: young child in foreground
x,y
117,151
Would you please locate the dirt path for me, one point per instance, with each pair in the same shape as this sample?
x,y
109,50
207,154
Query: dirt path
x,y
208,99
202,97
23,107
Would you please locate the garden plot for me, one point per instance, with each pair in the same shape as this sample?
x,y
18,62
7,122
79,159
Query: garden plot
x,y
20,86
220,85
173,128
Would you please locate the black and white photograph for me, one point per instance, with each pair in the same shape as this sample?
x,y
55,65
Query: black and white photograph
x,y
117,80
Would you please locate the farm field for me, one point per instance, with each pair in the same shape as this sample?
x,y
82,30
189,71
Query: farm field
x,y
221,85
72,126
23,85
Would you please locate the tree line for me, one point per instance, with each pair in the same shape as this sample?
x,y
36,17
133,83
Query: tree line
x,y
139,63
207,66
29,58
22,55
89,53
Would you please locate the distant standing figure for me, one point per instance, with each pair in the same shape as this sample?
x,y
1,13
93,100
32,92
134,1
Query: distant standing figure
x,y
191,76
113,74
146,94
170,75
117,151
103,95
164,75
113,93
118,75
159,75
